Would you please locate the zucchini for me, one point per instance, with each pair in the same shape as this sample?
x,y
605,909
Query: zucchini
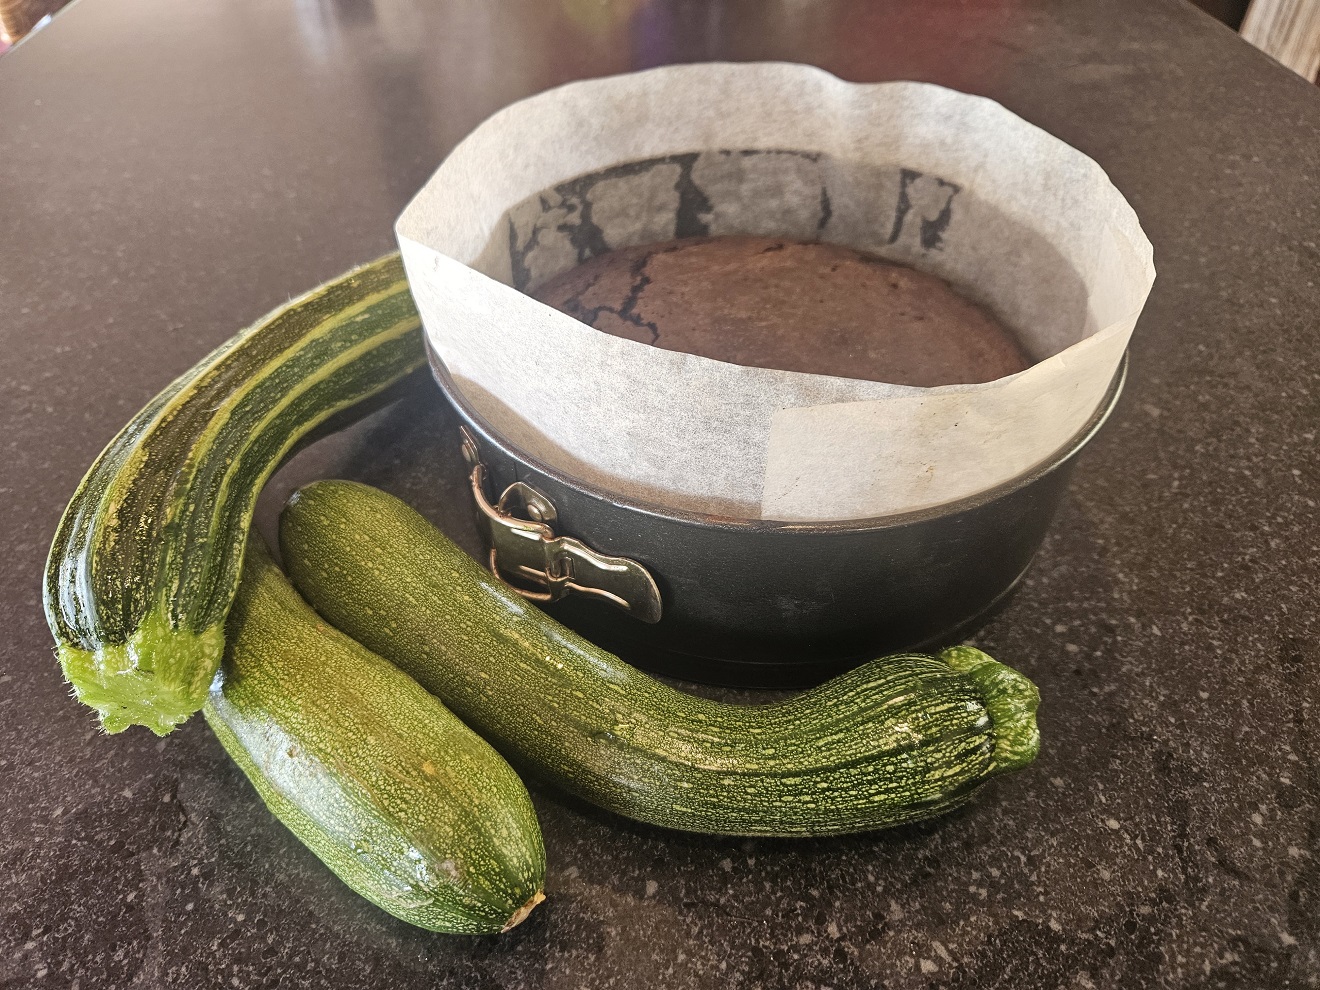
x,y
147,556
895,740
399,798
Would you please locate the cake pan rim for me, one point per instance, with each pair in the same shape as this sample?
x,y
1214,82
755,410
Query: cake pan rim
x,y
895,520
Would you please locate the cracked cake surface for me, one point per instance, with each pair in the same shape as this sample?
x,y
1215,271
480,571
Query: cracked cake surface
x,y
789,305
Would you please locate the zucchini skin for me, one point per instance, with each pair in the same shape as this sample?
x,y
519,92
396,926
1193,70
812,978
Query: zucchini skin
x,y
405,803
896,740
146,559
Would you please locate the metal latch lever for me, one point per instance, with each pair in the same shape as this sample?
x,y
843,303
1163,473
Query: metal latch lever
x,y
523,546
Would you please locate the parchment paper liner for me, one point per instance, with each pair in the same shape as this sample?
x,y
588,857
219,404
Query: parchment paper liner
x,y
952,184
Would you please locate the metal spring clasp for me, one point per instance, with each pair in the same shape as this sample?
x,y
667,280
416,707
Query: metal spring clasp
x,y
524,550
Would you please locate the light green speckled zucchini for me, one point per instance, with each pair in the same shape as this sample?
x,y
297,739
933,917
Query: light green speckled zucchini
x,y
896,740
407,805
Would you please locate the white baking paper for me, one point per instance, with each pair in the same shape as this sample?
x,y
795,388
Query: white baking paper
x,y
949,183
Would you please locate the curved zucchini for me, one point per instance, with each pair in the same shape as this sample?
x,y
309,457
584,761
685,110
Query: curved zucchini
x,y
146,559
399,798
896,740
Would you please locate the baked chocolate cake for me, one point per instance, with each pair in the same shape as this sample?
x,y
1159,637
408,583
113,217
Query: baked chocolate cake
x,y
773,303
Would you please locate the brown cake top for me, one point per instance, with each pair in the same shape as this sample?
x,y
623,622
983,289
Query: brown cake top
x,y
772,303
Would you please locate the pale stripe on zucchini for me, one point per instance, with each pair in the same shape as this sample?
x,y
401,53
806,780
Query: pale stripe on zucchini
x,y
146,559
898,739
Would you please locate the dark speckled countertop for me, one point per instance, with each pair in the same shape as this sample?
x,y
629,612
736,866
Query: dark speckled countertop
x,y
171,170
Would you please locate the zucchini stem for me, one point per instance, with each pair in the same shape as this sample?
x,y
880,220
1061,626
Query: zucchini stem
x,y
519,916
1012,701
157,678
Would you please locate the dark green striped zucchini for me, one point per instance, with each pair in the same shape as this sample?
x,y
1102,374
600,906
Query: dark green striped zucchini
x,y
146,559
399,798
896,740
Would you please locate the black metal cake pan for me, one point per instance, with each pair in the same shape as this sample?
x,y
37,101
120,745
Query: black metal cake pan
x,y
754,602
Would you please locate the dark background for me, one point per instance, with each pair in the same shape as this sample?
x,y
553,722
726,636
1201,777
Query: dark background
x,y
170,171
18,17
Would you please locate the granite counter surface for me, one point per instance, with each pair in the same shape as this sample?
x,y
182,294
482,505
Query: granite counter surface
x,y
170,171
